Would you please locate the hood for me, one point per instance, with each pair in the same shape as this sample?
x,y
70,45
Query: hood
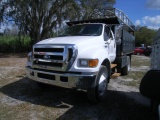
x,y
77,40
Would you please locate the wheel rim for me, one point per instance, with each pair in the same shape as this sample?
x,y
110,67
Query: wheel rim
x,y
129,64
102,84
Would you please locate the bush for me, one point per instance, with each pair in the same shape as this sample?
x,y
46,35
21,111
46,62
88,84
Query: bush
x,y
14,44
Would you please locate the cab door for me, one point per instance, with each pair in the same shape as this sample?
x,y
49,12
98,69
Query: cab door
x,y
110,43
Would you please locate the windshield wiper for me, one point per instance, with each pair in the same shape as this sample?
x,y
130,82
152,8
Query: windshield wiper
x,y
64,35
80,34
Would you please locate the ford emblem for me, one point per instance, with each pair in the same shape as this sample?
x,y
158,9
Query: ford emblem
x,y
46,57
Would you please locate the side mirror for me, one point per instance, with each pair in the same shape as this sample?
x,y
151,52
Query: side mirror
x,y
117,38
150,85
118,41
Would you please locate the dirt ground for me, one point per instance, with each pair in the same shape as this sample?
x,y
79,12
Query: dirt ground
x,y
22,98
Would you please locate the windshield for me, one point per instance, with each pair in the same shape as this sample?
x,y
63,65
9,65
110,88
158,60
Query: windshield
x,y
83,30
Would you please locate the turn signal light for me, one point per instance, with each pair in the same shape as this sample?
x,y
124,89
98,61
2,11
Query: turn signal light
x,y
93,63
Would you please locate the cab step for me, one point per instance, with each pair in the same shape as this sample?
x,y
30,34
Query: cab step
x,y
115,75
113,65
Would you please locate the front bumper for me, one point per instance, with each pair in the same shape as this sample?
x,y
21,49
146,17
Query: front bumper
x,y
66,80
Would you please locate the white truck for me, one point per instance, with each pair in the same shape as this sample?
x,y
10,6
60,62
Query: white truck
x,y
150,84
85,55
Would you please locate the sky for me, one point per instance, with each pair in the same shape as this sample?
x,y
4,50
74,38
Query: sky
x,y
141,12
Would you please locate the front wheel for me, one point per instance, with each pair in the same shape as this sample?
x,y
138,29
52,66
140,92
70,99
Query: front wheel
x,y
98,92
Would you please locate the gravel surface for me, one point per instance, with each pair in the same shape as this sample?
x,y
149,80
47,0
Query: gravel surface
x,y
22,98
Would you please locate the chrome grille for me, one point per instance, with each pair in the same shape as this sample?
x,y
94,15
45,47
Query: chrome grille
x,y
49,50
54,57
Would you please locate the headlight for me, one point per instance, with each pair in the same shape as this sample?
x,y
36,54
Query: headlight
x,y
29,57
88,62
84,63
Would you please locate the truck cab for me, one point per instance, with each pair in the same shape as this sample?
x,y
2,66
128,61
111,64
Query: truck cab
x,y
84,55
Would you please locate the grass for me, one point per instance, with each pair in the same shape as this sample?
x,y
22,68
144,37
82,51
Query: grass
x,y
137,61
136,78
137,64
140,63
135,75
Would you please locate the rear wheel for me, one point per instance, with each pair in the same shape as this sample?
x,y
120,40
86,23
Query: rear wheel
x,y
98,92
125,70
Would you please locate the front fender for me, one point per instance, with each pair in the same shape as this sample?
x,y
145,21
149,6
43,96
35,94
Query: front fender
x,y
90,52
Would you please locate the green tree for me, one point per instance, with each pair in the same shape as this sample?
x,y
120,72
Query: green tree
x,y
144,35
2,10
89,9
37,18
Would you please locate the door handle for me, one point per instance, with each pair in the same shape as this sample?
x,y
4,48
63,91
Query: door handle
x,y
106,45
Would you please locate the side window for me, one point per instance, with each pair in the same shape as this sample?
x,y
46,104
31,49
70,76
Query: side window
x,y
107,33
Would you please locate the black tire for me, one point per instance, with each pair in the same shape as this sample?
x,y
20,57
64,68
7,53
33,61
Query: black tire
x,y
99,91
125,70
154,106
